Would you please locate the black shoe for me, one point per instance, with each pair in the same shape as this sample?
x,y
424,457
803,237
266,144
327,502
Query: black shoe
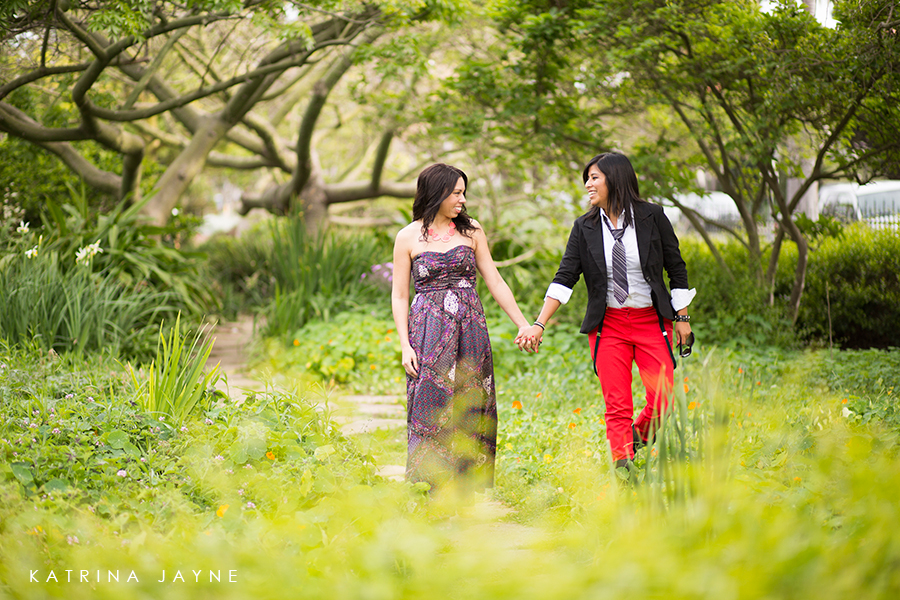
x,y
625,472
638,442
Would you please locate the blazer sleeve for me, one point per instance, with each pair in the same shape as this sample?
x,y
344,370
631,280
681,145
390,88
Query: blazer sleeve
x,y
569,270
672,261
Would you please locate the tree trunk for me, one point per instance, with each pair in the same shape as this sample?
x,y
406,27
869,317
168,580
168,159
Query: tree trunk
x,y
312,202
186,166
773,265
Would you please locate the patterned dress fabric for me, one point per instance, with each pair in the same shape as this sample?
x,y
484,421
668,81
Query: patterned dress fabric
x,y
451,405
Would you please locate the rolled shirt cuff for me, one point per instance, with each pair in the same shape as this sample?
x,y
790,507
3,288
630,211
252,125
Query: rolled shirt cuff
x,y
681,298
558,292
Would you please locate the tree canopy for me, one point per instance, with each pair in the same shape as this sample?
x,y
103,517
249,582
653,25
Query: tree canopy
x,y
207,82
756,97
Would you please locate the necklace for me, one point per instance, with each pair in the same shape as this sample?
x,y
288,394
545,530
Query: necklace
x,y
434,237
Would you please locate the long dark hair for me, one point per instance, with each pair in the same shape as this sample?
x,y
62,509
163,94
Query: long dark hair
x,y
621,182
434,185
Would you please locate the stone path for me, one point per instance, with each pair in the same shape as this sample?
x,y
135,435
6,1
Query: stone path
x,y
231,350
356,414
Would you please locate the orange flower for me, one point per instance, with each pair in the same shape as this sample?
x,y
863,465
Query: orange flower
x,y
796,479
602,422
538,395
685,379
693,405
221,512
517,405
686,388
571,425
844,401
577,411
270,455
759,383
740,371
296,342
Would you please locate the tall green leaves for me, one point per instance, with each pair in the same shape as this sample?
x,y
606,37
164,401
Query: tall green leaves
x,y
319,276
75,309
177,384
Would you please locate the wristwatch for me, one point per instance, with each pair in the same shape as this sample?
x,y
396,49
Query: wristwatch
x,y
682,318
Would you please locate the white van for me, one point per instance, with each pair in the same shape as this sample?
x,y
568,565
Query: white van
x,y
877,202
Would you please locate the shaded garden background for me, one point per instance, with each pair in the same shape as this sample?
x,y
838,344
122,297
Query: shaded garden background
x,y
122,122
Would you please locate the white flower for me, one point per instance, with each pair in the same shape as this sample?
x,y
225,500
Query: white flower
x,y
23,227
175,212
83,255
846,412
31,253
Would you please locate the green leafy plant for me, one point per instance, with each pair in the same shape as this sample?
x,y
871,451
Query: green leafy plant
x,y
132,251
74,309
318,276
176,384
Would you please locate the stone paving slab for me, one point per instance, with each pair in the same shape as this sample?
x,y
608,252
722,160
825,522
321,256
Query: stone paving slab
x,y
393,472
369,425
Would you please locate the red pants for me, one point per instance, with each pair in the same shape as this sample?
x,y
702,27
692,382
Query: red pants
x,y
632,335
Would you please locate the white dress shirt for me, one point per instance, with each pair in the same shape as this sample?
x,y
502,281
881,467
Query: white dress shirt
x,y
638,288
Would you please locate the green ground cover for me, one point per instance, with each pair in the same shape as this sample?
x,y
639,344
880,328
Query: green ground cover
x,y
778,478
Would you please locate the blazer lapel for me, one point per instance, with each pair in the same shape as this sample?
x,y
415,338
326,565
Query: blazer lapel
x,y
643,226
594,237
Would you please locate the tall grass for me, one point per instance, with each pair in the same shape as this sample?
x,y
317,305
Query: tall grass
x,y
177,386
794,516
319,276
75,309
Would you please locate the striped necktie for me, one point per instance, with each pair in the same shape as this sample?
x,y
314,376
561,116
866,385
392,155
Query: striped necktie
x,y
619,266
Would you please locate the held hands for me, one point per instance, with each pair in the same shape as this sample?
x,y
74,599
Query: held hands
x,y
410,360
529,338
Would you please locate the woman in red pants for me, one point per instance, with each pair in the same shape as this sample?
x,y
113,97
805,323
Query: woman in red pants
x,y
621,246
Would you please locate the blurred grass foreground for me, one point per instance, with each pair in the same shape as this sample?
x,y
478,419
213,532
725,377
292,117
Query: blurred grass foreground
x,y
772,481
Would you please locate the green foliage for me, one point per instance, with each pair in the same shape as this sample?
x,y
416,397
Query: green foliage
x,y
355,349
858,275
89,282
822,228
869,381
732,312
73,443
772,491
319,276
73,309
131,249
176,385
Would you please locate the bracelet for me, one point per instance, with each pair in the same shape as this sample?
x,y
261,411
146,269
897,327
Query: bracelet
x,y
539,324
682,318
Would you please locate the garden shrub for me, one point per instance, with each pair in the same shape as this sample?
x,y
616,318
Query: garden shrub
x,y
293,277
861,270
87,282
357,349
732,312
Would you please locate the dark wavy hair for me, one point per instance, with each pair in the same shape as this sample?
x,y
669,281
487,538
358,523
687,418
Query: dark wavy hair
x,y
621,182
434,185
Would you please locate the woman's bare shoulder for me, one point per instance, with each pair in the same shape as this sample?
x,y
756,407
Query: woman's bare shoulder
x,y
410,232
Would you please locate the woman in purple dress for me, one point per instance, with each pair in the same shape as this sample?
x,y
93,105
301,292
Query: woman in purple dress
x,y
446,351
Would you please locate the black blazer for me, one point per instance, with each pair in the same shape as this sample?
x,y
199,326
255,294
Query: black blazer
x,y
657,246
